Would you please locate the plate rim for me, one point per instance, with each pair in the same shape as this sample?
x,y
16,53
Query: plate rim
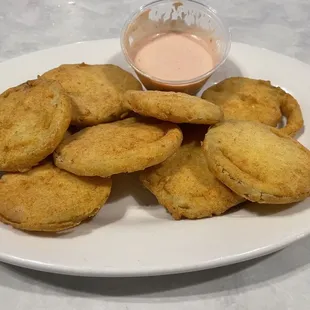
x,y
147,271
54,48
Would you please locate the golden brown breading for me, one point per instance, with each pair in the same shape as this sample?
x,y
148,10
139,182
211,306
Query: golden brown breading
x,y
184,185
258,162
173,107
49,199
256,100
125,146
34,117
96,91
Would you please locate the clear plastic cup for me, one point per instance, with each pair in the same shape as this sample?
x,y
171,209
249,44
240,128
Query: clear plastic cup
x,y
164,16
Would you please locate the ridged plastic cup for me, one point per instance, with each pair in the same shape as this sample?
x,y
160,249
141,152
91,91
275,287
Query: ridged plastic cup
x,y
185,16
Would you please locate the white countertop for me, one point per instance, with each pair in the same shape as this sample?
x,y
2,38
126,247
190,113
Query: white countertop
x,y
279,281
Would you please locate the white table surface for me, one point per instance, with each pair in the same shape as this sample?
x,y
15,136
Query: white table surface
x,y
279,281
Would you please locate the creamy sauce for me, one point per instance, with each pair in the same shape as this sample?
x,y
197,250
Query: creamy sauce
x,y
174,56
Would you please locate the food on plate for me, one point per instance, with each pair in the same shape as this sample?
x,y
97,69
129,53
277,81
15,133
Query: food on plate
x,y
256,100
49,199
124,146
258,162
173,107
184,185
34,117
96,91
241,156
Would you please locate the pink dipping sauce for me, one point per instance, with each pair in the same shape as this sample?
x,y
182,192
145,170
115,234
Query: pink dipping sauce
x,y
174,56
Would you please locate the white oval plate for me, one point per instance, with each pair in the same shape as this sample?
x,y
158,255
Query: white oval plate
x,y
134,236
